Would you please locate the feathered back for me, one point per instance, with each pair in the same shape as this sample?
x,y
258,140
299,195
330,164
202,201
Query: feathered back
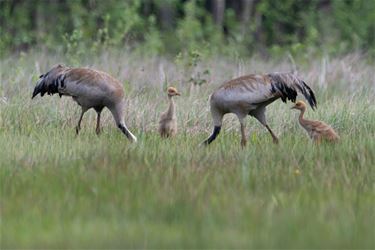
x,y
50,81
287,85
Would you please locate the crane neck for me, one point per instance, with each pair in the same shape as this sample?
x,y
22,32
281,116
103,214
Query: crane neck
x,y
171,107
300,118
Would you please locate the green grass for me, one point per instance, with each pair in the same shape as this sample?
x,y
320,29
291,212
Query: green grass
x,y
59,190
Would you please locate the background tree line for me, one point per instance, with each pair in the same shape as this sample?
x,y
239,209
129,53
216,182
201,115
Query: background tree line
x,y
170,26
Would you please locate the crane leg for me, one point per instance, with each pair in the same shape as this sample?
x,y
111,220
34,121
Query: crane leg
x,y
78,127
274,137
98,110
259,114
243,132
98,123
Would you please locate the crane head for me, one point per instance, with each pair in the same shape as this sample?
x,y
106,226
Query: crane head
x,y
299,105
172,91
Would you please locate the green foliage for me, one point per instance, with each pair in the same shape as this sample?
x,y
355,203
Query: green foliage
x,y
153,26
191,63
74,47
190,30
358,14
153,44
196,29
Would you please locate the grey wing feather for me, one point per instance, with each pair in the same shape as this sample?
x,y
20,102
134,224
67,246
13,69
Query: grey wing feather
x,y
50,82
287,85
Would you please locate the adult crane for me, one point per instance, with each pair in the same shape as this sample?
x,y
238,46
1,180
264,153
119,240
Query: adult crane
x,y
90,89
250,95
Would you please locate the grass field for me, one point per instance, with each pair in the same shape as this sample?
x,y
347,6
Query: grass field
x,y
59,190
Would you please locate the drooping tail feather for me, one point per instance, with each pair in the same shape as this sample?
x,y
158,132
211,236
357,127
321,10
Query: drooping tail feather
x,y
44,86
287,85
49,83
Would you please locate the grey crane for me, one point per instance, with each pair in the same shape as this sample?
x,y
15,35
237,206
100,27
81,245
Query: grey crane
x,y
250,95
90,89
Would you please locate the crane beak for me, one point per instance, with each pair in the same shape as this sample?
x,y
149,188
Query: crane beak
x,y
178,94
294,107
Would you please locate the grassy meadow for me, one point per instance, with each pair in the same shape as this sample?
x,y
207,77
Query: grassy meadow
x,y
59,190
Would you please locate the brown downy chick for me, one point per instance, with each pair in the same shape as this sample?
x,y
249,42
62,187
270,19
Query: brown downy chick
x,y
317,130
168,120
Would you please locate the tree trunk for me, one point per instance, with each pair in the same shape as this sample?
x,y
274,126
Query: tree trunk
x,y
247,6
167,13
218,8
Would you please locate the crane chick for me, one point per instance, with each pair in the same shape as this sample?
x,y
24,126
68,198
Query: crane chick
x,y
90,89
168,120
250,95
317,130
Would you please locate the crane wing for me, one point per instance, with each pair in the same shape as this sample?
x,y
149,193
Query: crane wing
x,y
287,85
49,82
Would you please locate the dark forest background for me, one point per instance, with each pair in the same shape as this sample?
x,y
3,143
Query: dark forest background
x,y
154,27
